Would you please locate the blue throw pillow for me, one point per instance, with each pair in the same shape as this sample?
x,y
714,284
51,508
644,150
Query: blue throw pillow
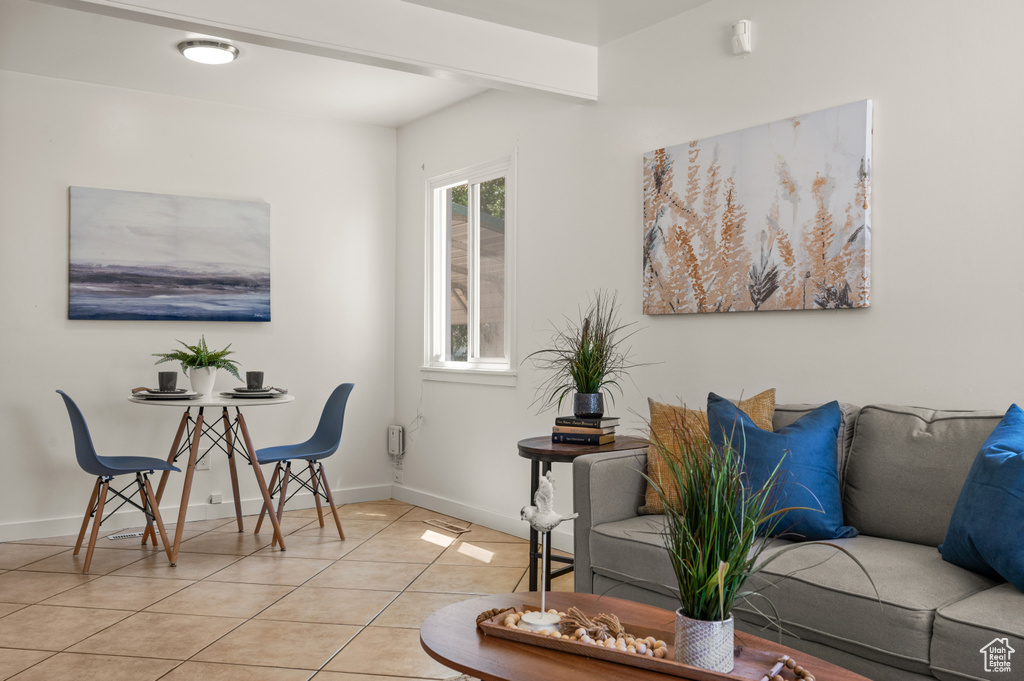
x,y
985,531
808,476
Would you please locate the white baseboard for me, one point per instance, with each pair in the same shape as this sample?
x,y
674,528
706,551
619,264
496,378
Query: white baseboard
x,y
126,519
514,525
58,527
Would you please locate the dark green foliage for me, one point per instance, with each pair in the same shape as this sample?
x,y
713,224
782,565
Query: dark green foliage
x,y
716,524
200,356
712,535
492,197
585,356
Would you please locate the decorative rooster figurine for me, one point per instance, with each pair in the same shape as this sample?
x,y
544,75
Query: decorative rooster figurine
x,y
542,516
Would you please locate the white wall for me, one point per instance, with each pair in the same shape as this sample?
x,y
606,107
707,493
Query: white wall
x,y
946,321
331,189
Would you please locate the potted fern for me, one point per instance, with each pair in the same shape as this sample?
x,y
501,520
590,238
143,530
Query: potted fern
x,y
201,364
716,529
586,359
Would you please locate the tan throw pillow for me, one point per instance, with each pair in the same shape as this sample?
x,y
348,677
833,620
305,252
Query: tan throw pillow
x,y
671,422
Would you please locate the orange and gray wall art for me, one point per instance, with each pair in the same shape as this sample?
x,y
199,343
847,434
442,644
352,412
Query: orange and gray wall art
x,y
774,217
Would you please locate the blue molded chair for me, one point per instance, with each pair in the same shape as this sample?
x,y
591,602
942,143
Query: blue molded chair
x,y
324,442
106,468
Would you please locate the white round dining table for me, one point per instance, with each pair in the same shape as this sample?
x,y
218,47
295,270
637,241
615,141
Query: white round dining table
x,y
233,438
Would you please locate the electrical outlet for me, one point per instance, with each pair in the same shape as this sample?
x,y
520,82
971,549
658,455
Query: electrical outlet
x,y
204,463
396,474
216,498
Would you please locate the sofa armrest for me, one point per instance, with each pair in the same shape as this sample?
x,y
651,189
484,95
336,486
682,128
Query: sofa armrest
x,y
606,487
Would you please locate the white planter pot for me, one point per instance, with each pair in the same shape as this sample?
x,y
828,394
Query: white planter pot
x,y
202,379
704,644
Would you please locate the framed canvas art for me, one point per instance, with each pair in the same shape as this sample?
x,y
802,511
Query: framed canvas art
x,y
774,217
157,256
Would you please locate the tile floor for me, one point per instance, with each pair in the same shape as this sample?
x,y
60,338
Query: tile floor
x,y
233,608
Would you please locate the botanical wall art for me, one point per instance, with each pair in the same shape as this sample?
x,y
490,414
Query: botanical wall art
x,y
157,256
774,217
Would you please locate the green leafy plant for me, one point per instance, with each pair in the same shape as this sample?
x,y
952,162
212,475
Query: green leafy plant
x,y
201,356
713,520
585,356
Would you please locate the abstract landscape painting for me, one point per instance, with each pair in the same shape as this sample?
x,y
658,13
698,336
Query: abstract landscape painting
x,y
774,217
156,256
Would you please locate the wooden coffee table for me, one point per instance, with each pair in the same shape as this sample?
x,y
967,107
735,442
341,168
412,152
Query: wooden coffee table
x,y
451,637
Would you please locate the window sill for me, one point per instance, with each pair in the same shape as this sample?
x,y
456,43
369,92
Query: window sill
x,y
505,378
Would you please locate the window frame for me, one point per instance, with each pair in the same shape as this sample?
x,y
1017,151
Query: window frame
x,y
437,315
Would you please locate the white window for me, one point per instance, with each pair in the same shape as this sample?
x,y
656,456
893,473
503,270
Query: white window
x,y
470,266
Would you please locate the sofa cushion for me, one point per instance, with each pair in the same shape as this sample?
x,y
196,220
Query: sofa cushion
x,y
822,596
804,452
965,627
906,468
669,422
985,532
632,551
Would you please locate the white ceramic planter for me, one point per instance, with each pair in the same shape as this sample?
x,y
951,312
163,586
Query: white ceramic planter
x,y
202,379
704,644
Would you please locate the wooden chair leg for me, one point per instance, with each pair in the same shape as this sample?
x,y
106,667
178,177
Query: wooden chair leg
x,y
101,498
316,492
156,516
284,495
263,511
147,512
88,514
330,500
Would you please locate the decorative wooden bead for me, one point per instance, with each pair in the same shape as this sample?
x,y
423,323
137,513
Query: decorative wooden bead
x,y
778,677
798,670
791,663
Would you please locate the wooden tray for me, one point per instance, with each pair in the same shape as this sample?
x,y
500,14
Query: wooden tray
x,y
750,663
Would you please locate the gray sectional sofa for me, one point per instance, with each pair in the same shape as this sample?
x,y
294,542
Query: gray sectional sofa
x,y
901,470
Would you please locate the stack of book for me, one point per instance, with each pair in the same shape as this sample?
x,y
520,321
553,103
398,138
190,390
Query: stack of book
x,y
577,431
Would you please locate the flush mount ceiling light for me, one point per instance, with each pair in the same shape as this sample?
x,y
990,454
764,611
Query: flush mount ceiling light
x,y
208,51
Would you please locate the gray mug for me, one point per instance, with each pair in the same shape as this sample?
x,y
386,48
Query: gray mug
x,y
254,380
168,381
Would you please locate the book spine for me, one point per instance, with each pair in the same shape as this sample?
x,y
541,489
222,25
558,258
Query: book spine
x,y
581,430
577,439
585,423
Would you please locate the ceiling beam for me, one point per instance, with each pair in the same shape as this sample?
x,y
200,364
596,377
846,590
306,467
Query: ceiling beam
x,y
384,33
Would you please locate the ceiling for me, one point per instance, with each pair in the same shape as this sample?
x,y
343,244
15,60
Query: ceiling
x,y
591,22
86,40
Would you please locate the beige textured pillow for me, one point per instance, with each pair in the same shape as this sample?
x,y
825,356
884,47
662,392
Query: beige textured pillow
x,y
670,422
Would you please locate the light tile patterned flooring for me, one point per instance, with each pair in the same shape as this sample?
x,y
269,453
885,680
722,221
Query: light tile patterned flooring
x,y
233,608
